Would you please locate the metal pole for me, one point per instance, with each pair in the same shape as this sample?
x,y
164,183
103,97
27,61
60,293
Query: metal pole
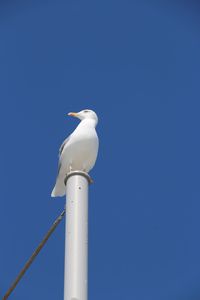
x,y
76,240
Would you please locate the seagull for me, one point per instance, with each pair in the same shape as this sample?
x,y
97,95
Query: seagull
x,y
79,151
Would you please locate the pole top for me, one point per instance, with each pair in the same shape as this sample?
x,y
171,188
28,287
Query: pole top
x,y
80,173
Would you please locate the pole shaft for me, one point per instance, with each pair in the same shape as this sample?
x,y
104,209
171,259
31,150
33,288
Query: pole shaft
x,y
76,242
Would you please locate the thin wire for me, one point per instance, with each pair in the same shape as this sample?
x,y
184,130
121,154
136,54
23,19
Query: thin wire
x,y
33,256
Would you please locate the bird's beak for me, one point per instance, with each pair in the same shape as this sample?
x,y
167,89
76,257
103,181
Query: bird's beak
x,y
73,114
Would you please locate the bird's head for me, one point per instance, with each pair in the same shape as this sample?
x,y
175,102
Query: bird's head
x,y
85,114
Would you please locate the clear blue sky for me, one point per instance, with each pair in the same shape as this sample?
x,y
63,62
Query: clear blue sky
x,y
137,64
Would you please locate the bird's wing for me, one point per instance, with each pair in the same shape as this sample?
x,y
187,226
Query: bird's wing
x,y
60,152
63,145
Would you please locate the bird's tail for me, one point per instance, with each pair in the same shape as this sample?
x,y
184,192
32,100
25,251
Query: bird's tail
x,y
59,189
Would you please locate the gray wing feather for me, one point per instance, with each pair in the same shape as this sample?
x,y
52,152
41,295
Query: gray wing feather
x,y
60,152
63,145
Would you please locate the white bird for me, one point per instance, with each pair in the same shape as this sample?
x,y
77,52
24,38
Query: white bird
x,y
79,151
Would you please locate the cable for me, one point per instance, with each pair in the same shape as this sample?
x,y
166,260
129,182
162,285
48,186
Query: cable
x,y
33,256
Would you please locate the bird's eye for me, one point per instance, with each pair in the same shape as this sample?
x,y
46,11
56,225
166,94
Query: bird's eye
x,y
86,111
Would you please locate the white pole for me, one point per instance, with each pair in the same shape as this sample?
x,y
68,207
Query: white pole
x,y
76,240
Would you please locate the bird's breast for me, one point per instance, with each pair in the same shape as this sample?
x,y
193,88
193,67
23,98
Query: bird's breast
x,y
81,152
